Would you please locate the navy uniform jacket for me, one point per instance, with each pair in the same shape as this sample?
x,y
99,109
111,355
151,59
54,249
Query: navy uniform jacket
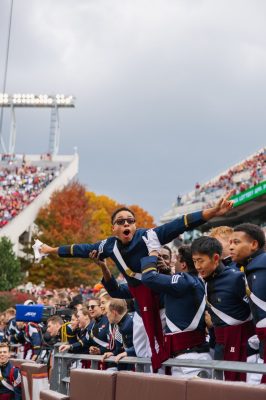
x,y
121,291
32,335
100,334
226,291
97,334
12,376
79,345
184,293
228,262
115,290
124,341
11,331
132,252
255,270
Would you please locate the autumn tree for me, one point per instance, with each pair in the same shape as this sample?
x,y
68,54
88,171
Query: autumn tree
x,y
76,216
65,221
143,218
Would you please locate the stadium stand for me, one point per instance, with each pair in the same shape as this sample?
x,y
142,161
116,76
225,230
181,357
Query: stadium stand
x,y
242,178
26,184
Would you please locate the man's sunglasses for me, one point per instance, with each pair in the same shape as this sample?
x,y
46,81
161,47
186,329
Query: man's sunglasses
x,y
92,306
122,221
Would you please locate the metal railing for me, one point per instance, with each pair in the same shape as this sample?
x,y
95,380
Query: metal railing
x,y
63,362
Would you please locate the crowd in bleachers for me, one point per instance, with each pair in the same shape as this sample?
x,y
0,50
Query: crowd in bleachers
x,y
20,184
239,178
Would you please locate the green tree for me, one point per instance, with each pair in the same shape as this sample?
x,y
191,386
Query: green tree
x,y
10,273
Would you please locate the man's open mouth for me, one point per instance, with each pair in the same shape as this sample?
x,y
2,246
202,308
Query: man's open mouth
x,y
126,232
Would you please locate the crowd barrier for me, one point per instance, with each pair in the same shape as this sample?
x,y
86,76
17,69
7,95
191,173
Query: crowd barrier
x,y
69,382
64,364
107,385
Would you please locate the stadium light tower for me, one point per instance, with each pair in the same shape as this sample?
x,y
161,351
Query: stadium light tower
x,y
39,101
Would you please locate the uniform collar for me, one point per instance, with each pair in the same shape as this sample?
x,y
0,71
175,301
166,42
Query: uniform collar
x,y
122,320
227,260
251,257
220,268
98,319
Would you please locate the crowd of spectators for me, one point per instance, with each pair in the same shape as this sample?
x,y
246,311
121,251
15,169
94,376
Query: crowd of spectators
x,y
239,178
20,184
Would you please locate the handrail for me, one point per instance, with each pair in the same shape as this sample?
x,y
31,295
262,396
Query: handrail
x,y
59,379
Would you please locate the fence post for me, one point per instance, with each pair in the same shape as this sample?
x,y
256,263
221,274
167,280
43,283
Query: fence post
x,y
94,364
55,370
140,367
63,374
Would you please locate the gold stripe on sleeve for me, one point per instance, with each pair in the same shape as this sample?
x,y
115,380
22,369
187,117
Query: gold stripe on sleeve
x,y
149,269
72,249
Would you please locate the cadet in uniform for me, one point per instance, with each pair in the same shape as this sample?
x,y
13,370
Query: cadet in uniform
x,y
247,249
123,331
184,299
126,248
10,378
95,336
11,329
227,301
31,336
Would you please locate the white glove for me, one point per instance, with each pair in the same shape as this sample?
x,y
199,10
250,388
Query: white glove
x,y
254,342
38,255
152,242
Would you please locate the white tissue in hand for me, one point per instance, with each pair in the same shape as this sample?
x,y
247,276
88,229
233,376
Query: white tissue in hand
x,y
37,252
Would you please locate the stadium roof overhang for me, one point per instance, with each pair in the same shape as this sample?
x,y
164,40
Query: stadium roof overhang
x,y
253,211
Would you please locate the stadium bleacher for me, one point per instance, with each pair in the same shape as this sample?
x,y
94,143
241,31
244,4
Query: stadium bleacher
x,y
20,184
240,178
26,184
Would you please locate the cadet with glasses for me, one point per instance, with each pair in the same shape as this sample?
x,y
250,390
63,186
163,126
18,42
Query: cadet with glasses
x,y
126,247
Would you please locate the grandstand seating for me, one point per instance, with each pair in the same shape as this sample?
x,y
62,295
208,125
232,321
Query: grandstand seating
x,y
26,184
238,178
20,185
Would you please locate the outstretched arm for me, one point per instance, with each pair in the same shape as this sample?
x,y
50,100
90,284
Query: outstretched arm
x,y
169,231
73,250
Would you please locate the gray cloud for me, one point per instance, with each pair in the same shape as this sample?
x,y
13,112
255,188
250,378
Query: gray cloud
x,y
168,92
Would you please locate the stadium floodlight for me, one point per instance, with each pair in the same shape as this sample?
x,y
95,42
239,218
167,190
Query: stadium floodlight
x,y
54,102
33,100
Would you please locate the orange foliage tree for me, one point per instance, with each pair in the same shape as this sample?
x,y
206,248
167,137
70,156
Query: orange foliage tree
x,y
76,216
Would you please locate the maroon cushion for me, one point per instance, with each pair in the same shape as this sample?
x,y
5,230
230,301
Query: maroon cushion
x,y
51,395
139,386
93,384
208,389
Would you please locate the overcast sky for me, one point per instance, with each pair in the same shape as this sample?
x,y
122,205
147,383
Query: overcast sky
x,y
168,92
